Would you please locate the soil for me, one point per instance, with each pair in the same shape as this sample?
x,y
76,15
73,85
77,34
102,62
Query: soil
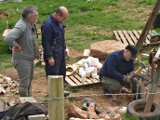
x,y
39,86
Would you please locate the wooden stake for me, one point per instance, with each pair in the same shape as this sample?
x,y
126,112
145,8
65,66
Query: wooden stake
x,y
56,90
150,98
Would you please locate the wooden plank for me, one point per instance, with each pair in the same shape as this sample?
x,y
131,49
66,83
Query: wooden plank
x,y
94,80
75,80
117,36
89,81
149,35
97,80
136,34
134,39
147,38
70,81
128,37
80,79
124,41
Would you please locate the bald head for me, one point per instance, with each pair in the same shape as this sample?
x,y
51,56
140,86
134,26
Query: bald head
x,y
61,14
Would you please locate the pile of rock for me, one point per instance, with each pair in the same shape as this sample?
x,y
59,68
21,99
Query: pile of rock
x,y
7,85
102,49
90,112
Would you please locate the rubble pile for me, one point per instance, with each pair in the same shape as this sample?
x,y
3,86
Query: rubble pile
x,y
7,85
89,111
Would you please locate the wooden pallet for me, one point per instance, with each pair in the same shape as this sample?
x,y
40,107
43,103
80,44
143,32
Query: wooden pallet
x,y
131,37
75,80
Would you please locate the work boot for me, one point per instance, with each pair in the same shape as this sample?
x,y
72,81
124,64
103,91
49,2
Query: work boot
x,y
66,93
111,97
106,91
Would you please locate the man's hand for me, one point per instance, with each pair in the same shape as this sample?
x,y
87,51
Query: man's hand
x,y
51,61
126,79
17,48
66,52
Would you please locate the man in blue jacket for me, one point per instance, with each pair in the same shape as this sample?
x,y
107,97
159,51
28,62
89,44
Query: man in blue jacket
x,y
113,74
53,42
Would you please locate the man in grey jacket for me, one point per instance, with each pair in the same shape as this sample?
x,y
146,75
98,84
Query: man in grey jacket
x,y
23,40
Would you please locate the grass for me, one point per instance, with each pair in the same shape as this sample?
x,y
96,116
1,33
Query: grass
x,y
89,20
130,117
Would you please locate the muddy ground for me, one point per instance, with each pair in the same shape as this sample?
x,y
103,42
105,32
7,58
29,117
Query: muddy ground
x,y
40,92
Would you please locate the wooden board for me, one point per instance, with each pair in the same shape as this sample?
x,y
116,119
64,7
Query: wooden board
x,y
123,38
75,80
148,37
131,37
134,39
69,81
128,38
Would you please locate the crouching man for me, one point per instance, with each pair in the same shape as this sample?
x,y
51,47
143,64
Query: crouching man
x,y
115,70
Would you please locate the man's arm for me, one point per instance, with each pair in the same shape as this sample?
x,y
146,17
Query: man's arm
x,y
132,67
14,34
112,71
46,40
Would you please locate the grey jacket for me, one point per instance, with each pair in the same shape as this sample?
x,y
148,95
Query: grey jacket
x,y
24,34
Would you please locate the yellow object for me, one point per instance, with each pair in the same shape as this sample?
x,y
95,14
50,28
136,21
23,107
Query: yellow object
x,y
138,70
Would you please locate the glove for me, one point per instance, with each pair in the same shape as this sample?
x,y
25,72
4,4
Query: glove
x,y
125,79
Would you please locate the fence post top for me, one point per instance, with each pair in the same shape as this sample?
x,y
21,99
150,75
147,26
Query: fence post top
x,y
55,76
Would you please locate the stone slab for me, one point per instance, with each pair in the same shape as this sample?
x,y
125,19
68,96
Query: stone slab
x,y
104,48
27,99
37,117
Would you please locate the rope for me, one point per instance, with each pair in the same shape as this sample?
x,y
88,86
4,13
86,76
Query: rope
x,y
98,95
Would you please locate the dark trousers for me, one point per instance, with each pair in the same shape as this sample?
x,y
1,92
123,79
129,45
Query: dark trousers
x,y
112,85
59,68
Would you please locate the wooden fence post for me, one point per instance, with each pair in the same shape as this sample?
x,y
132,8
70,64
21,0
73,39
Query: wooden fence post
x,y
56,90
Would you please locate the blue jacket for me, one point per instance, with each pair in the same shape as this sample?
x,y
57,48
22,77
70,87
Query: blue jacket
x,y
115,66
53,43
